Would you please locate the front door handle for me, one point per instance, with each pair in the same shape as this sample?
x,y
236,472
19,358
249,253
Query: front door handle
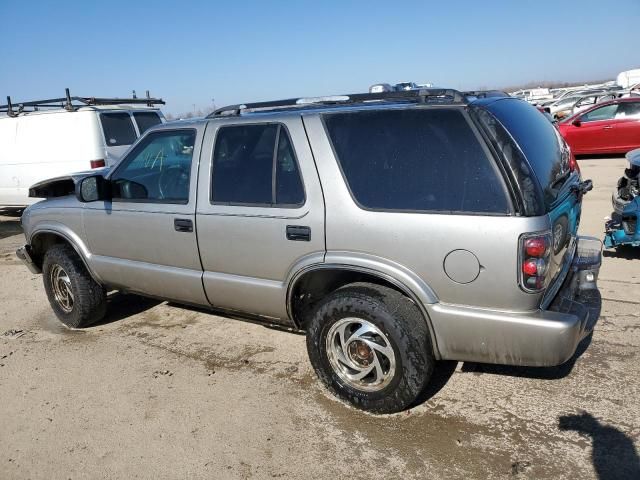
x,y
607,127
298,233
183,225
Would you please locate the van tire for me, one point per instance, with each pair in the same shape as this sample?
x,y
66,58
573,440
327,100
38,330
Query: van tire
x,y
400,323
76,298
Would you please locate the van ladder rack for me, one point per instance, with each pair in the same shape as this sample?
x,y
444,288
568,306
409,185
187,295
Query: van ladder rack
x,y
425,95
67,102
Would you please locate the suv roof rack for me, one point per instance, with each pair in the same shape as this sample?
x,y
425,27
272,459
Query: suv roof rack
x,y
67,102
425,95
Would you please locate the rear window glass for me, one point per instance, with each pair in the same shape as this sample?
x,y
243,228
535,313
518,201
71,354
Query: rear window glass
x,y
539,141
415,160
118,129
146,120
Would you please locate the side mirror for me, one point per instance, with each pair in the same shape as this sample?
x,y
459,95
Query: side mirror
x,y
576,122
92,189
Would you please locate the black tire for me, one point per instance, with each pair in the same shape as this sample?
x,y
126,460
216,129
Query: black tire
x,y
89,298
400,320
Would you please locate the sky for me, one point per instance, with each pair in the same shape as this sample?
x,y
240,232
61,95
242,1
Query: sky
x,y
224,52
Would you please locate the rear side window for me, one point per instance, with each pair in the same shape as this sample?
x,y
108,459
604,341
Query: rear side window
x,y
146,120
415,160
539,141
256,165
628,110
118,129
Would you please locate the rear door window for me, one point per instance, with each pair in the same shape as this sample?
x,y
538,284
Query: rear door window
x,y
415,160
256,165
146,120
118,129
628,110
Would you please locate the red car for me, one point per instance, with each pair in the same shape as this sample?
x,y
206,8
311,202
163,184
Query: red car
x,y
608,127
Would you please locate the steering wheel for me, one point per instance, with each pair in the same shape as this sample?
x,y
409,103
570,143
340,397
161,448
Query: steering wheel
x,y
173,182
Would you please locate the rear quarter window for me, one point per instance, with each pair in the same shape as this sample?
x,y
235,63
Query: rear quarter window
x,y
415,160
118,129
540,142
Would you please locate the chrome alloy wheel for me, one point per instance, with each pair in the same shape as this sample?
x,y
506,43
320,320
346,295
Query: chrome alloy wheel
x,y
361,354
61,286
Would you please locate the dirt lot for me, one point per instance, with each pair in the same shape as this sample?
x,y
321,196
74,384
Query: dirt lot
x,y
162,391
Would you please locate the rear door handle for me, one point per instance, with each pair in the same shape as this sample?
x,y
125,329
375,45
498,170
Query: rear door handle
x,y
183,225
607,127
298,233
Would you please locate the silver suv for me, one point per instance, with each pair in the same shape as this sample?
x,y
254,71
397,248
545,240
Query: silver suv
x,y
397,229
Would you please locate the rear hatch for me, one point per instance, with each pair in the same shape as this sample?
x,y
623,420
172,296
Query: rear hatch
x,y
556,172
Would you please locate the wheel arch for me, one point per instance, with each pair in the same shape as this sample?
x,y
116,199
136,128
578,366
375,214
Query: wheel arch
x,y
313,282
43,238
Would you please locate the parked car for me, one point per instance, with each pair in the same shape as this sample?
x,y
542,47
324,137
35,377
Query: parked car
x,y
380,88
534,95
42,139
563,107
402,86
628,78
622,228
610,127
418,227
587,101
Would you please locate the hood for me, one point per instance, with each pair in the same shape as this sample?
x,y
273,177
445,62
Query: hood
x,y
634,157
63,185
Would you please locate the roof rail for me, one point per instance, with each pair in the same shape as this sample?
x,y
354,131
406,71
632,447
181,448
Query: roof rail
x,y
72,103
425,95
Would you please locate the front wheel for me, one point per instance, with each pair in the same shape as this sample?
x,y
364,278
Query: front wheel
x,y
370,346
76,298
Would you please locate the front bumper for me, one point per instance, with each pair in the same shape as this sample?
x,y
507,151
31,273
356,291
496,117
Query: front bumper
x,y
24,254
545,337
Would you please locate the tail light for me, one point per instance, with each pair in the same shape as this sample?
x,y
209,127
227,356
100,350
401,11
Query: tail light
x,y
573,163
535,250
97,163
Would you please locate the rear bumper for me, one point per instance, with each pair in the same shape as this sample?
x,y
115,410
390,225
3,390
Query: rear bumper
x,y
545,337
24,254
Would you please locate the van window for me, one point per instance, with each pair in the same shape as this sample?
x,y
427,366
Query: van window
x,y
415,160
256,165
146,120
540,142
118,129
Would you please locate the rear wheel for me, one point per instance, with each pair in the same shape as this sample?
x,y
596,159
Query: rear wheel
x,y
370,346
76,298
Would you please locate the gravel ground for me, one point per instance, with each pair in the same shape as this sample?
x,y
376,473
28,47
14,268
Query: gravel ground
x,y
162,391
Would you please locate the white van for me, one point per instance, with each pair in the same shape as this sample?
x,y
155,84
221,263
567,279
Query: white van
x,y
49,142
